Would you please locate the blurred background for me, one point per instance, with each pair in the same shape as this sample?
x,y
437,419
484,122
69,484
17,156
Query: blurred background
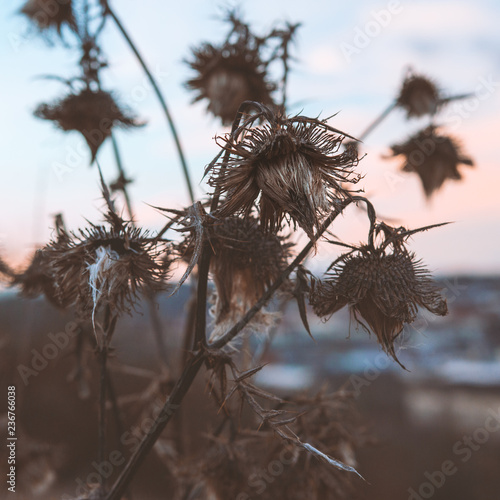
x,y
442,410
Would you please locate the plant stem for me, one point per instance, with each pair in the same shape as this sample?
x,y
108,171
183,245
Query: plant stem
x,y
166,413
201,297
206,251
157,330
118,417
159,94
189,326
103,354
377,121
122,175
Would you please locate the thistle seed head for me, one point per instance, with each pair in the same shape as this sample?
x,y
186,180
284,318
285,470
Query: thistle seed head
x,y
289,167
92,113
245,263
433,157
50,15
381,287
106,266
227,76
418,96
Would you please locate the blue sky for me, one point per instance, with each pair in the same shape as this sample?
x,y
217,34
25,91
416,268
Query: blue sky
x,y
455,42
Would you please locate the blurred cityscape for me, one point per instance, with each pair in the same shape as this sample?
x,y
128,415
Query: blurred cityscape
x,y
435,427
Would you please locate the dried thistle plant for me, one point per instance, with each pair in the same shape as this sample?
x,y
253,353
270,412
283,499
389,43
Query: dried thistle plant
x,y
47,16
383,285
106,266
233,72
418,96
290,167
245,263
92,113
275,169
227,76
433,157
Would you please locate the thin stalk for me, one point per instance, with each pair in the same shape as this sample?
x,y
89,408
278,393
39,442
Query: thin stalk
x,y
150,296
171,405
186,349
163,103
285,56
157,330
285,74
206,252
189,326
377,121
200,324
194,364
117,416
122,175
103,354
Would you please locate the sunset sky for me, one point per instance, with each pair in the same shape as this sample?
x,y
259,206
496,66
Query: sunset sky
x,y
456,43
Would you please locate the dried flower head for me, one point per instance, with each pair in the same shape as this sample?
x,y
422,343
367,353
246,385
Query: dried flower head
x,y
419,96
92,113
103,266
434,157
227,76
382,287
290,166
245,262
46,15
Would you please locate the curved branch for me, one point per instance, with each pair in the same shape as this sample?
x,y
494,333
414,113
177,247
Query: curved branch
x,y
158,93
